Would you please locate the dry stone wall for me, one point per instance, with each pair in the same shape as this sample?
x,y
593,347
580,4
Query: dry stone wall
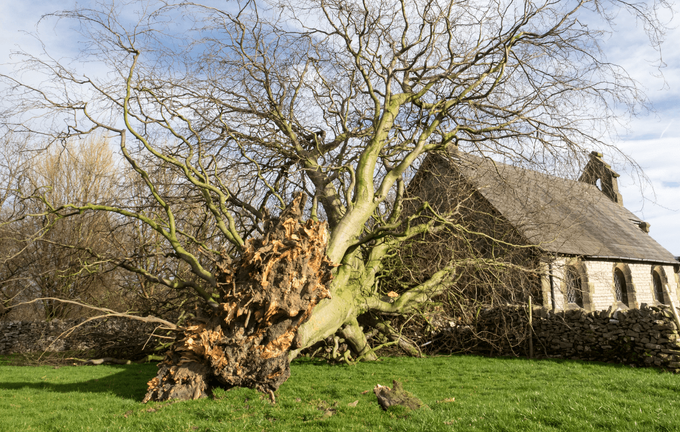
x,y
113,337
643,337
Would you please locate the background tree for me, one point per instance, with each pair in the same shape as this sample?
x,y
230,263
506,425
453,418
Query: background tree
x,y
76,257
47,256
225,115
12,166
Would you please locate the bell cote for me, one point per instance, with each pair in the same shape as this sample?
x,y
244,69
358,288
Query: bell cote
x,y
597,169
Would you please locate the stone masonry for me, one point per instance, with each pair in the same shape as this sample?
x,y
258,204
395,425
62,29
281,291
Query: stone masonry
x,y
598,283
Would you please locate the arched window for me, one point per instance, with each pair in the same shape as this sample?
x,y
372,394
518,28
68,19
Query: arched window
x,y
620,287
574,292
658,287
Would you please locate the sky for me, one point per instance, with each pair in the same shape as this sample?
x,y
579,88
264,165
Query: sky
x,y
651,139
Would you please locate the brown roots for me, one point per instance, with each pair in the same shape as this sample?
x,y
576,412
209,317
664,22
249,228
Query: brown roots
x,y
265,297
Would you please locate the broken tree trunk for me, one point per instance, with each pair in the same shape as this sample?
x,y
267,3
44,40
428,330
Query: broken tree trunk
x,y
265,297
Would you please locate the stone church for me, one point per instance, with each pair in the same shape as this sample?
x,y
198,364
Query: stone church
x,y
594,253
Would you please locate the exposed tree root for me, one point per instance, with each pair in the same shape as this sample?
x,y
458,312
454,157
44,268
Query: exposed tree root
x,y
354,335
266,296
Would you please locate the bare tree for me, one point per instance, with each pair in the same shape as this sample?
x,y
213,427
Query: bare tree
x,y
12,170
227,114
48,256
77,257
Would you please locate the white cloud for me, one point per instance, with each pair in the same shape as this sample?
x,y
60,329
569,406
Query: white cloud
x,y
652,139
657,200
19,24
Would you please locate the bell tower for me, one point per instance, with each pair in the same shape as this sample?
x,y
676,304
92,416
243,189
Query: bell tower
x,y
597,169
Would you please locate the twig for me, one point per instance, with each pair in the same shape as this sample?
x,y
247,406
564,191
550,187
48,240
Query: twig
x,y
109,312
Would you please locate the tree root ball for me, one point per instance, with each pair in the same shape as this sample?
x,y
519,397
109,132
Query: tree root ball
x,y
265,297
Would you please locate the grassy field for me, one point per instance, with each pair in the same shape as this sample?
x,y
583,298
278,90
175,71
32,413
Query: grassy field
x,y
464,393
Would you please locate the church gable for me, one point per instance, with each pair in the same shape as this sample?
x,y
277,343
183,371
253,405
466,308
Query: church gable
x,y
599,253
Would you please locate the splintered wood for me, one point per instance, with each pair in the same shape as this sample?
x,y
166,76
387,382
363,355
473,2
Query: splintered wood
x,y
265,297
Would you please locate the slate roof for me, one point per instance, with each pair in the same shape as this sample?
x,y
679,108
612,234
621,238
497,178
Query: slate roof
x,y
559,215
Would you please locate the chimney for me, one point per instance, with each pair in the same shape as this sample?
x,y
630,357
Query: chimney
x,y
597,169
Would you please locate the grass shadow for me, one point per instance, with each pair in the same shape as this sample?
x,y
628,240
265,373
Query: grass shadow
x,y
129,382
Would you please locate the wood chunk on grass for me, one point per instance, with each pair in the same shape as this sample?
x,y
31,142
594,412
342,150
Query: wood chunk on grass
x,y
397,399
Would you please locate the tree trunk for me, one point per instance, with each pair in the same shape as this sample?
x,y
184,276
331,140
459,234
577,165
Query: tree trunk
x,y
265,297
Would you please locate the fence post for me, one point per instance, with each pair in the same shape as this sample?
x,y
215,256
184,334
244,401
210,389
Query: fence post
x,y
531,330
674,310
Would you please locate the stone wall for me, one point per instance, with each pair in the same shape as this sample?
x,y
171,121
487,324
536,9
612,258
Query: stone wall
x,y
112,337
643,337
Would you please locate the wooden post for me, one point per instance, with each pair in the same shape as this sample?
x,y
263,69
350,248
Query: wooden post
x,y
676,318
531,330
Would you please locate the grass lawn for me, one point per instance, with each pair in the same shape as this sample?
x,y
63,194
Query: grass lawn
x,y
464,392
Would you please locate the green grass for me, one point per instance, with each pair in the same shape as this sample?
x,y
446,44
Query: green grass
x,y
490,395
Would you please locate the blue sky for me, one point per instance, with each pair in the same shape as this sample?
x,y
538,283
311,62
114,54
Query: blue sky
x,y
651,139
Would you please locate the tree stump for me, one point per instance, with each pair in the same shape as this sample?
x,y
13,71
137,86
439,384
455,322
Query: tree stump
x,y
265,297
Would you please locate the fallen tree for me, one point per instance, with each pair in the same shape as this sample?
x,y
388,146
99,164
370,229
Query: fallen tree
x,y
221,123
265,297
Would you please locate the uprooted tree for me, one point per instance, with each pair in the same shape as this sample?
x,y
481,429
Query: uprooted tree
x,y
226,119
